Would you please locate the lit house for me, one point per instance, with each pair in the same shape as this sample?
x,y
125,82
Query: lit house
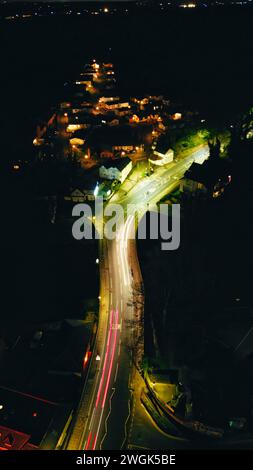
x,y
117,140
116,170
162,153
115,105
108,99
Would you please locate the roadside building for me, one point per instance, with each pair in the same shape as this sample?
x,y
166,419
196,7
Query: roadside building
x,y
163,154
116,170
84,187
116,141
30,422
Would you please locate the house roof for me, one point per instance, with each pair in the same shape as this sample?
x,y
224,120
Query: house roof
x,y
116,136
163,144
119,163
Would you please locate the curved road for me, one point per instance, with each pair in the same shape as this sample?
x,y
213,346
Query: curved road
x,y
104,408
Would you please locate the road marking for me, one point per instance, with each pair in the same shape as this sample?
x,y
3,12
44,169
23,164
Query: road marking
x,y
105,361
125,427
116,373
107,417
111,362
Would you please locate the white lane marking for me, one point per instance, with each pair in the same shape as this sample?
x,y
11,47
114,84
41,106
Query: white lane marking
x,y
107,417
125,427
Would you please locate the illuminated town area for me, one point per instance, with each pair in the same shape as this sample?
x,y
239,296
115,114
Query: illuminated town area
x,y
110,344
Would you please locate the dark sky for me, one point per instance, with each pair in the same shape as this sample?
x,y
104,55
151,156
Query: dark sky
x,y
67,1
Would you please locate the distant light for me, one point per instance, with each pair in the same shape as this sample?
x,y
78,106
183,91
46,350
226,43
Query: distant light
x,y
123,153
97,261
86,157
65,114
35,414
106,10
97,357
176,116
86,358
16,167
1,407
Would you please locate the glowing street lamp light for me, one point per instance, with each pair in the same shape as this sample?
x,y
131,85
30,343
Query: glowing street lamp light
x,y
96,190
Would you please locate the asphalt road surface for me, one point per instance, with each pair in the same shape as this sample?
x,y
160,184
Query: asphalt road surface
x,y
105,410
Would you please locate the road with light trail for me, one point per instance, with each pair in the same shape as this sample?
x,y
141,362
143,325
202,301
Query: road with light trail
x,y
105,405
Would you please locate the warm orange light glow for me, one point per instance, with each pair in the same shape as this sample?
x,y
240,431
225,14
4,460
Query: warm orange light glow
x,y
134,118
16,167
86,357
176,116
